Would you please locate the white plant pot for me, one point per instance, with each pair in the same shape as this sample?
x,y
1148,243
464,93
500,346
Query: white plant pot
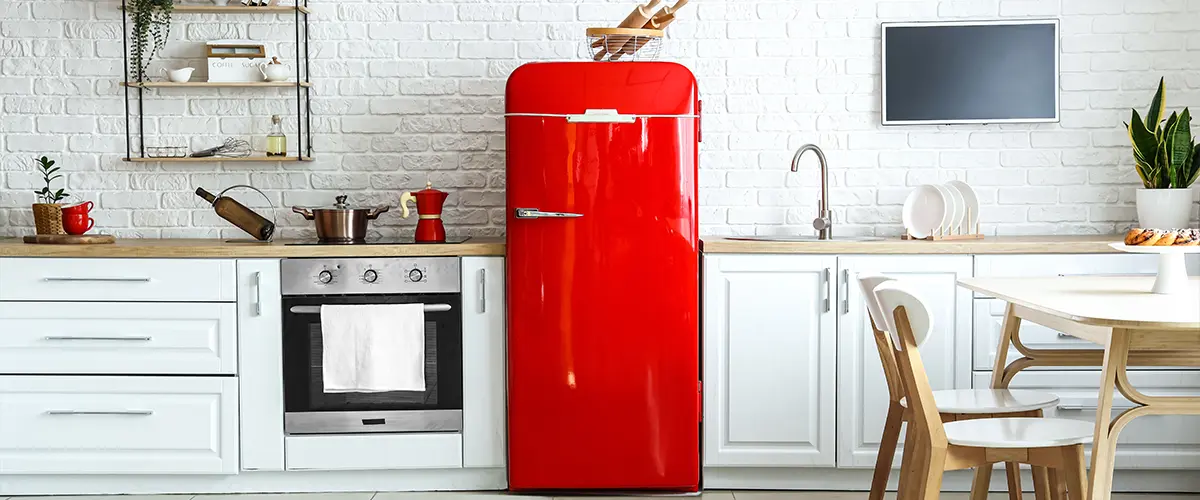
x,y
1164,208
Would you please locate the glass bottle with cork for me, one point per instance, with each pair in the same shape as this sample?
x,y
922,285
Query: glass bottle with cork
x,y
276,141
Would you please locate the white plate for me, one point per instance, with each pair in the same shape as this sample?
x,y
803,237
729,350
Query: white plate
x,y
1154,249
948,212
958,209
924,211
971,205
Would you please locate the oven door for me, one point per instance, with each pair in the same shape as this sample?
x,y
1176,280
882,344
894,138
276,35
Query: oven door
x,y
311,410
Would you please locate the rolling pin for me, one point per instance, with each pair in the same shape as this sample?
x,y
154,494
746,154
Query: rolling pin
x,y
657,23
636,19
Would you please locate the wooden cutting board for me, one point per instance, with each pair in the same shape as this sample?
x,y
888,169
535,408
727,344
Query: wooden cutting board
x,y
67,239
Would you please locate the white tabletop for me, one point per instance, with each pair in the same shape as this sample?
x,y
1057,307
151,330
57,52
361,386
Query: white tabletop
x,y
1109,301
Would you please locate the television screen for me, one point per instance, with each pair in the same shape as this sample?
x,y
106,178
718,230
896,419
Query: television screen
x,y
970,72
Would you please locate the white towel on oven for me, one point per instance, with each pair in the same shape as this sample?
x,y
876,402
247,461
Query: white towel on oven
x,y
373,348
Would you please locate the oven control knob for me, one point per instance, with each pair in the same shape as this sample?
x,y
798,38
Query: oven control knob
x,y
370,276
325,276
416,276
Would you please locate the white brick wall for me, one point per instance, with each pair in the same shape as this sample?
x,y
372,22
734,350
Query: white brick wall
x,y
412,90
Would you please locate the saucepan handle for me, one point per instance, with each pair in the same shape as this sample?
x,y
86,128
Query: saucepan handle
x,y
308,215
376,211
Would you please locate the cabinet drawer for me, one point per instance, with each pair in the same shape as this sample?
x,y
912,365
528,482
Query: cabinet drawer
x,y
118,425
118,338
989,322
124,280
1020,266
1153,442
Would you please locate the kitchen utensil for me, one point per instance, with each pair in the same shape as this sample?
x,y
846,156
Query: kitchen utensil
x,y
77,224
958,209
645,44
275,71
68,239
178,75
245,219
635,20
340,222
81,208
1172,275
924,211
429,209
232,148
971,205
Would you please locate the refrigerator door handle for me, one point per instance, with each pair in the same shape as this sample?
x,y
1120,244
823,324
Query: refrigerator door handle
x,y
533,213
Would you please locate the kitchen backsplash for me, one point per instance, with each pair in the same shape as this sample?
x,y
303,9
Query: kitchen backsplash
x,y
412,91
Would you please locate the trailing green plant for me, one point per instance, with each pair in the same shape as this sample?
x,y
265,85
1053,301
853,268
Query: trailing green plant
x,y
1164,152
151,27
45,166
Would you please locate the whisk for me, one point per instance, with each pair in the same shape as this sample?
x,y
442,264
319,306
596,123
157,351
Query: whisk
x,y
232,148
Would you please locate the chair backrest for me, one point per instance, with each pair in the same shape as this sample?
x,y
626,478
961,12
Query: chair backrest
x,y
910,319
883,342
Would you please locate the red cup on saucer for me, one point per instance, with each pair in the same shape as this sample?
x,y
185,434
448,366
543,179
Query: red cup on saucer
x,y
82,208
76,224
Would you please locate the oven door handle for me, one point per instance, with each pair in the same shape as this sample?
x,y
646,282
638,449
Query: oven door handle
x,y
317,309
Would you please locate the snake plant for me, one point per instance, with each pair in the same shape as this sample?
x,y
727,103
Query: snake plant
x,y
1164,152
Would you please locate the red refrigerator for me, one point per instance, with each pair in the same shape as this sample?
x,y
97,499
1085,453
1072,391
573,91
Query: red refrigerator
x,y
603,277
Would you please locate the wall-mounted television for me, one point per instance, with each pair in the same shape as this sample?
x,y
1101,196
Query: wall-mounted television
x,y
970,72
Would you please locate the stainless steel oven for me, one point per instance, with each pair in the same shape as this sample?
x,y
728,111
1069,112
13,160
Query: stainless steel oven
x,y
307,284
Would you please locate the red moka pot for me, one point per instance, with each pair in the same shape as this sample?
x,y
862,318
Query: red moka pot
x,y
429,211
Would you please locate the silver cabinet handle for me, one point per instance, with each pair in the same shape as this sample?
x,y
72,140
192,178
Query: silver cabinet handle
x,y
828,290
77,337
483,291
101,412
845,291
257,293
98,280
533,213
317,309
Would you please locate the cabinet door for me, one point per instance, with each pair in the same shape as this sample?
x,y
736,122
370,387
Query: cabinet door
x,y
862,391
483,439
769,361
260,349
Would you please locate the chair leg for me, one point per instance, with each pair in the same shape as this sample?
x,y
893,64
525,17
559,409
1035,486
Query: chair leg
x,y
1058,489
982,482
910,466
931,484
887,450
1041,483
1013,471
1074,474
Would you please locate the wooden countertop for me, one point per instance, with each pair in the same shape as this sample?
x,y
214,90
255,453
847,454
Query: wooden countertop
x,y
219,248
989,245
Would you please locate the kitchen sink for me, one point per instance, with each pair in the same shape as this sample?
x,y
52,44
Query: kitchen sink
x,y
801,238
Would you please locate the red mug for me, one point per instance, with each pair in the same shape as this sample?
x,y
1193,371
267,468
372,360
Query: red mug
x,y
81,209
76,224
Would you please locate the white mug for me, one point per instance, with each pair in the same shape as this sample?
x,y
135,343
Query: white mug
x,y
179,75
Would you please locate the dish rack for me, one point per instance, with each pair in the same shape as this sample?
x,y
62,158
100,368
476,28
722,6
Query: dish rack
x,y
624,44
949,233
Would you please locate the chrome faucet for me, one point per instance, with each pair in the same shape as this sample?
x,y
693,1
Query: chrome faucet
x,y
823,223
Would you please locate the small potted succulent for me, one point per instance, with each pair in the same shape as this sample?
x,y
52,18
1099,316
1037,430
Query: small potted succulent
x,y
47,213
1168,161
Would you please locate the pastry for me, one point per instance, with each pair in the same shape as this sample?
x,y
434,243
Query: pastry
x,y
1151,237
1187,238
1166,238
1138,236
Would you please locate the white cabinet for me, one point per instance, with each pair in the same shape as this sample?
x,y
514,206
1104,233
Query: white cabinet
x,y
861,388
1150,442
118,338
118,425
769,360
484,432
117,280
260,346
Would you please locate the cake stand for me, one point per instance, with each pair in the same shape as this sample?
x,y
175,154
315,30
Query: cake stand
x,y
1172,270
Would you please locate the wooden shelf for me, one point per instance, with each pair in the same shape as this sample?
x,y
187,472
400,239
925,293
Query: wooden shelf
x,y
215,84
215,159
239,9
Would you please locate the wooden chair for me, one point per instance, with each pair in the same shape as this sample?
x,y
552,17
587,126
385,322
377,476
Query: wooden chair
x,y
952,405
1052,443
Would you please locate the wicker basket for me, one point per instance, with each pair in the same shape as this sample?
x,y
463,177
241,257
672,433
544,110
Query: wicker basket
x,y
624,44
48,218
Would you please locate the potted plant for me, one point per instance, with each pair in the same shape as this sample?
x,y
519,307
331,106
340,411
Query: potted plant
x,y
1168,161
151,27
47,213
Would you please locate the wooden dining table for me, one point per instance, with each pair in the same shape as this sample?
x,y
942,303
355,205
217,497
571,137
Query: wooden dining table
x,y
1132,326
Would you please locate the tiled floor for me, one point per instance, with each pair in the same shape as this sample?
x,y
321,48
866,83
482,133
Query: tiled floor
x,y
712,495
